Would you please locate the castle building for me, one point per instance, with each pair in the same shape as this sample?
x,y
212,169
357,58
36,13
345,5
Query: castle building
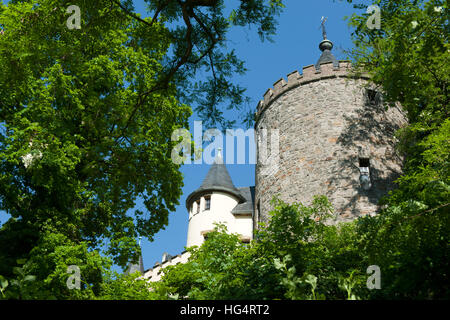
x,y
217,200
336,138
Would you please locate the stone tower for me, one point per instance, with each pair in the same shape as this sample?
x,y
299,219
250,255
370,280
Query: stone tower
x,y
336,138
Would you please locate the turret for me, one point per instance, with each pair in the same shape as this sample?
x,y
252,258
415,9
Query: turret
x,y
219,201
336,138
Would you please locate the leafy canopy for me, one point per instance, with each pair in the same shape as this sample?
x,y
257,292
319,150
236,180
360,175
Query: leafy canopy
x,y
408,59
86,118
70,159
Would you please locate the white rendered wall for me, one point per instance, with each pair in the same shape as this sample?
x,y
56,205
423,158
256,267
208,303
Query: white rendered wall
x,y
200,223
157,272
221,206
243,225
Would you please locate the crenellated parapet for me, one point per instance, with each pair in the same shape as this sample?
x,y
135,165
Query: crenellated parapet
x,y
309,74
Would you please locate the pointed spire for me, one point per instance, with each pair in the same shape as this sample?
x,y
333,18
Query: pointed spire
x,y
133,267
218,175
326,46
217,179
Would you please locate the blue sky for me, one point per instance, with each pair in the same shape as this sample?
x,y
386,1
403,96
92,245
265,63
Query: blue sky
x,y
295,45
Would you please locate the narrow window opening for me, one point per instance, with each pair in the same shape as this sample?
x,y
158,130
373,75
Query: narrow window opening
x,y
198,206
258,211
364,162
207,202
373,97
364,178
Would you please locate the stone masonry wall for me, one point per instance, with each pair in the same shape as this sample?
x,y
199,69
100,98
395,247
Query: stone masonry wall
x,y
326,123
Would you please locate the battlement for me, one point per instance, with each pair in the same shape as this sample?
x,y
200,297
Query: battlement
x,y
309,74
155,273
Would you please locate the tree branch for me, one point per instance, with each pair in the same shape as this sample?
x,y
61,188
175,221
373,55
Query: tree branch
x,y
134,16
164,83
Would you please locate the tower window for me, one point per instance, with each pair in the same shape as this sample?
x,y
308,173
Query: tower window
x,y
364,162
207,202
258,210
373,96
198,206
364,178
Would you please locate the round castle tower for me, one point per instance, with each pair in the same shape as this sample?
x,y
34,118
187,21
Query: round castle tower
x,y
219,201
335,138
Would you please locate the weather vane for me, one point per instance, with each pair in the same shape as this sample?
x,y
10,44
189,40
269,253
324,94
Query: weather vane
x,y
322,24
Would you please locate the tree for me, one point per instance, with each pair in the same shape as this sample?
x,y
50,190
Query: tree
x,y
198,33
86,122
408,59
69,159
125,287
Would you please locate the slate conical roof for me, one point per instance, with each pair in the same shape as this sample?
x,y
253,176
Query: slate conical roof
x,y
217,179
133,267
325,46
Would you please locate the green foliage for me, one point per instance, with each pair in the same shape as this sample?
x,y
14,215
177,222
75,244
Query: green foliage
x,y
210,271
408,59
317,254
67,100
86,118
410,245
18,286
201,64
293,283
348,284
297,256
3,285
44,274
125,287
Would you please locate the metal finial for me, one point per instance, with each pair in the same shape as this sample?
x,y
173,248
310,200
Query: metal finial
x,y
322,24
219,158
